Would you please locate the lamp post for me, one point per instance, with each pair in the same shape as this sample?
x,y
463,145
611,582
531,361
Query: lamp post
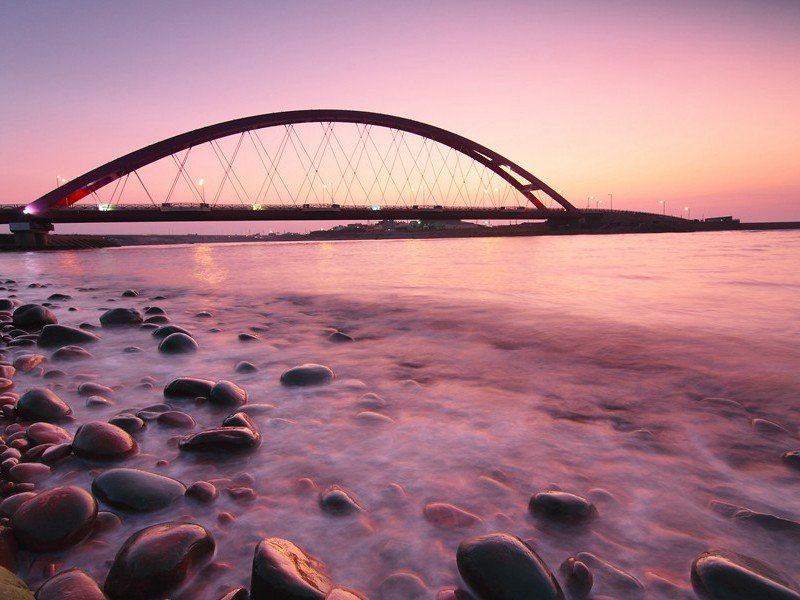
x,y
663,207
201,183
688,212
611,201
60,180
588,201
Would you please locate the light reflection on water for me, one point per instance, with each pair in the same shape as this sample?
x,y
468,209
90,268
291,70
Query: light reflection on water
x,y
509,365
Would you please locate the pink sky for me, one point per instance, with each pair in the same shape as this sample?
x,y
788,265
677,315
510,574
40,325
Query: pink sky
x,y
691,102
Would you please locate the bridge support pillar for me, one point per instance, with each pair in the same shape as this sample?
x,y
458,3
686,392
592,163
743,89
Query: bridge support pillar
x,y
30,234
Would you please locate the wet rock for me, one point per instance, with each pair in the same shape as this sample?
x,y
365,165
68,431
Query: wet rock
x,y
28,362
72,584
56,336
792,459
175,418
344,594
248,337
307,374
768,427
368,417
502,567
42,404
245,367
97,401
282,570
613,575
239,593
448,516
136,490
154,310
47,433
155,560
722,575
10,505
203,314
56,452
32,317
338,337
202,491
578,577
227,393
29,472
12,587
5,383
121,317
90,388
97,440
403,586
71,353
372,401
129,294
452,594
338,501
157,320
562,506
178,343
239,419
188,387
54,374
7,371
130,423
221,439
763,520
7,304
59,297
55,519
168,330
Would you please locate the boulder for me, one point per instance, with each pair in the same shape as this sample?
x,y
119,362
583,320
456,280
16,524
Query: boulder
x,y
307,374
120,317
227,393
55,519
56,336
32,317
281,570
72,584
178,343
97,440
188,387
42,404
136,490
722,575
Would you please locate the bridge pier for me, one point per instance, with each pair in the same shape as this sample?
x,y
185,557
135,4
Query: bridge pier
x,y
31,234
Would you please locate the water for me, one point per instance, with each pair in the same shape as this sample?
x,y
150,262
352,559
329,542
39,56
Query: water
x,y
509,365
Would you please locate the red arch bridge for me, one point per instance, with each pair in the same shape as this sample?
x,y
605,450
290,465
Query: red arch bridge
x,y
300,165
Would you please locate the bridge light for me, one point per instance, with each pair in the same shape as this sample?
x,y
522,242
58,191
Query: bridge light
x,y
28,210
258,207
375,207
104,207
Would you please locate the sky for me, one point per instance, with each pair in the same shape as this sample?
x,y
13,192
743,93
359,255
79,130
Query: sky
x,y
689,102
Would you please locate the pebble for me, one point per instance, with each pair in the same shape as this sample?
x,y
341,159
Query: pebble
x,y
248,337
121,317
202,491
245,367
178,343
338,501
175,418
127,422
55,519
338,336
282,570
307,374
42,404
157,559
239,419
129,294
96,401
221,439
47,433
32,317
188,387
227,393
71,353
501,566
578,577
97,440
448,516
167,330
28,362
90,388
722,575
56,336
29,472
72,584
136,490
561,506
10,505
792,459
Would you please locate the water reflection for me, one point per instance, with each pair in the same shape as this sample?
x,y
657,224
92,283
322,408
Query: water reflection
x,y
206,268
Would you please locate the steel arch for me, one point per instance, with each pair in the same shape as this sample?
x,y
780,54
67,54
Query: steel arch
x,y
80,187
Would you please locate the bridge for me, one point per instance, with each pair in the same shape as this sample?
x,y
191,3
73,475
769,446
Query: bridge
x,y
300,165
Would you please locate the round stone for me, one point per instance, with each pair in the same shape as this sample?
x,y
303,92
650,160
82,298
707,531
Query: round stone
x,y
175,418
157,559
56,336
282,570
307,374
202,491
338,501
722,575
47,433
561,506
227,393
178,343
72,584
127,422
503,567
129,294
136,490
338,336
97,440
167,330
71,353
55,519
245,367
221,439
120,317
42,404
188,387
32,317
448,516
29,472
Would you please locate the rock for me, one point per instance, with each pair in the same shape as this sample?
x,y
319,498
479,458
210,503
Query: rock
x,y
7,304
792,459
42,404
499,566
29,472
129,294
56,452
176,418
7,371
56,336
245,367
221,439
239,593
338,336
203,314
157,559
338,501
59,297
614,575
561,506
307,374
55,519
120,317
763,520
403,585
136,490
769,427
97,440
281,570
130,423
248,337
95,401
344,594
372,401
578,577
47,433
12,587
178,343
188,387
227,393
452,594
154,310
32,317
71,353
10,505
447,516
72,584
722,575
28,362
5,383
202,491
90,388
368,417
157,320
168,330
239,419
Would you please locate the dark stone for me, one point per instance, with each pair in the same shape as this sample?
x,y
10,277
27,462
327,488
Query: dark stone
x,y
120,317
47,433
175,418
245,367
792,459
202,491
221,439
56,336
30,472
338,501
90,388
502,567
722,575
448,516
28,362
178,343
561,506
42,404
239,419
59,297
54,374
154,310
188,387
227,393
157,320
130,423
55,519
248,337
338,336
166,330
56,452
157,559
578,577
32,317
97,440
72,584
95,401
71,353
763,520
403,585
282,571
129,294
10,505
136,490
307,374
7,304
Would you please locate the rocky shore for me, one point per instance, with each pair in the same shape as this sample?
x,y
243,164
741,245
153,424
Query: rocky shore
x,y
48,514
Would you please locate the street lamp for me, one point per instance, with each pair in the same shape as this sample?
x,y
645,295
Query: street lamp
x,y
663,207
588,201
202,189
60,180
688,212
